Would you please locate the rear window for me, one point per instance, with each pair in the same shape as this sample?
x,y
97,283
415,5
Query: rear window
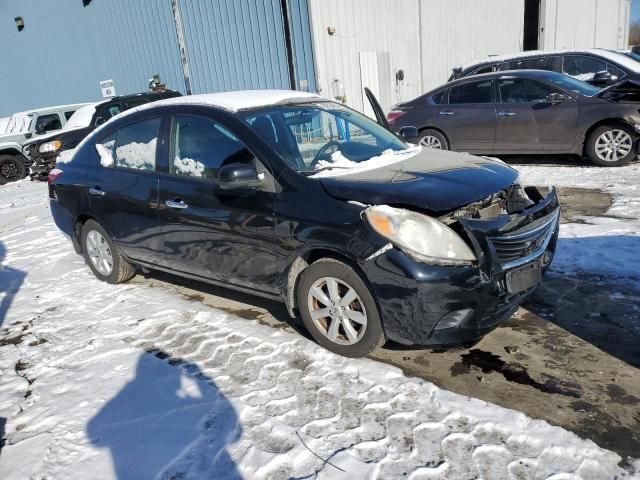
x,y
470,93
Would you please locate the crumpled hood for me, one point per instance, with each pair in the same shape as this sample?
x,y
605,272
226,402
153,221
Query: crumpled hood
x,y
433,180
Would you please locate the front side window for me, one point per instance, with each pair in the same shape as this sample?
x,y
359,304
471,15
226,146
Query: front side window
x,y
51,121
521,90
132,147
582,67
474,92
200,146
322,135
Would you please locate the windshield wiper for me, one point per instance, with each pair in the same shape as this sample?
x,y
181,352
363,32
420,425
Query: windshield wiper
x,y
328,167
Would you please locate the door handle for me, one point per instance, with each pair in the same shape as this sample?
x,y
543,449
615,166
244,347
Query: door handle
x,y
505,113
447,112
176,203
97,191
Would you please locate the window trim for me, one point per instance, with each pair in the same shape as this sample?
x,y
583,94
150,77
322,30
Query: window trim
x,y
493,93
115,165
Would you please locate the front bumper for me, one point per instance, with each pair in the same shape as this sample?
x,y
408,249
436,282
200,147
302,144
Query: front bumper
x,y
425,304
42,164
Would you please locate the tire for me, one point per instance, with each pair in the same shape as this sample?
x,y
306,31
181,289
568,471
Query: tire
x,y
615,141
364,337
92,235
433,139
12,169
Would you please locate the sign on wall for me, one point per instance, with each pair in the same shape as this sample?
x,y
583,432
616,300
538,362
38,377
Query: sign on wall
x,y
108,88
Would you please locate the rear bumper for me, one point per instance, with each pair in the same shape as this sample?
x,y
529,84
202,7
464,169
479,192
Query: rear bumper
x,y
65,222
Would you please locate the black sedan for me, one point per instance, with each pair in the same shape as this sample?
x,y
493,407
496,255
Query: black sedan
x,y
43,151
296,198
527,112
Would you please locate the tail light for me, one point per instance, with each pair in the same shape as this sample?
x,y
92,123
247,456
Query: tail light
x,y
54,174
393,115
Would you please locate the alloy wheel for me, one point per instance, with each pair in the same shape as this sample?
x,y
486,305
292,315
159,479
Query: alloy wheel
x,y
99,252
430,141
337,310
9,170
613,145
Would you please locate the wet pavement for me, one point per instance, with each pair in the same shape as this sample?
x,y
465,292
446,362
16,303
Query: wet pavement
x,y
570,356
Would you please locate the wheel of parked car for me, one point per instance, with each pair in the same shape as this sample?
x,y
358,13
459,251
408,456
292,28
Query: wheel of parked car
x,y
12,168
338,309
433,139
611,146
102,255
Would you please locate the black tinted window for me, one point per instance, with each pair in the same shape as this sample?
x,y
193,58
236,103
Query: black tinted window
x,y
540,63
67,115
475,92
51,121
106,112
484,69
520,90
133,146
439,98
200,147
582,67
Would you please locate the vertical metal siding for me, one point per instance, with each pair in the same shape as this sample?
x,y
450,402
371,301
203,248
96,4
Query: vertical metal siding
x,y
235,45
66,49
302,44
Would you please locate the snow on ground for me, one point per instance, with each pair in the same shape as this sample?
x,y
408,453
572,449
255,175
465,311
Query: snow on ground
x,y
608,245
134,382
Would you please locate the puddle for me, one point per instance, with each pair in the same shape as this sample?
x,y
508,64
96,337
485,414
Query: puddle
x,y
488,362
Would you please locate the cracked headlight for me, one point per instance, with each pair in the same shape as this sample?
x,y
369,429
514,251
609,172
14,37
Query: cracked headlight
x,y
419,236
50,146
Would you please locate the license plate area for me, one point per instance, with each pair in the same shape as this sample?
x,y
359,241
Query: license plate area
x,y
523,278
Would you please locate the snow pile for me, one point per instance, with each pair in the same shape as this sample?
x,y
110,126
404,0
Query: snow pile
x,y
67,155
134,381
81,117
138,155
343,166
105,152
188,166
607,245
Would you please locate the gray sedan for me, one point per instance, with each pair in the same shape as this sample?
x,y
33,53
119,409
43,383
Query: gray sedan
x,y
527,112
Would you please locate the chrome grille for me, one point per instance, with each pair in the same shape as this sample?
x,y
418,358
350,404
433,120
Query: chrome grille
x,y
525,244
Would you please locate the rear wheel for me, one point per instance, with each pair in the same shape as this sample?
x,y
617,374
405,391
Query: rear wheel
x,y
338,310
611,146
12,168
430,138
102,255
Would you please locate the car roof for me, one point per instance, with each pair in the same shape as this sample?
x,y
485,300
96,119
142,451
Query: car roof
x,y
52,109
617,57
524,73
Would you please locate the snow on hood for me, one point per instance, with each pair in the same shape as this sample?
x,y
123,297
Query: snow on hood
x,y
18,123
81,117
616,57
3,124
344,166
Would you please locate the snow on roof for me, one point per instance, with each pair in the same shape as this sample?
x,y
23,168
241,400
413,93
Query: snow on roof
x,y
82,117
71,106
616,57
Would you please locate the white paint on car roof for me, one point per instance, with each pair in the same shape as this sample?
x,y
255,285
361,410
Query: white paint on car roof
x,y
616,57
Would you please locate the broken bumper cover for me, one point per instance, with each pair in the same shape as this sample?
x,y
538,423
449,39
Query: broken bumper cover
x,y
426,304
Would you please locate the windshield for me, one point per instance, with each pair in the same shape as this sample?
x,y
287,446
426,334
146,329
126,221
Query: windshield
x,y
322,135
575,85
81,118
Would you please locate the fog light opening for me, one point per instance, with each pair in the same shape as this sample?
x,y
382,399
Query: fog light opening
x,y
454,319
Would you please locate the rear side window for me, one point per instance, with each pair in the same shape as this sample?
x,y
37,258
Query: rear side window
x,y
474,92
439,98
132,147
67,115
539,63
519,90
200,146
583,67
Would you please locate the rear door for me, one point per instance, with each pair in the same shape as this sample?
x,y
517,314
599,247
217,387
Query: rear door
x,y
527,122
469,118
219,234
122,188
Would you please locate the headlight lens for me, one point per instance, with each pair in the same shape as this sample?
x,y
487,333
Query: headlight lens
x,y
420,236
50,146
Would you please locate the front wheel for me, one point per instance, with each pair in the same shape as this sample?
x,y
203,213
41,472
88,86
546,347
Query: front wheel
x,y
611,146
338,310
430,138
102,255
12,168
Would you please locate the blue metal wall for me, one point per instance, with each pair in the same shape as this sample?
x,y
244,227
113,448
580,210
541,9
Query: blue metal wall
x,y
66,49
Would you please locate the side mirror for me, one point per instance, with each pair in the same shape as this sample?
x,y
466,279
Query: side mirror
x,y
604,77
409,134
237,176
554,98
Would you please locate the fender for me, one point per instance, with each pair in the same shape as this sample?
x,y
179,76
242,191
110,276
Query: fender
x,y
12,148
